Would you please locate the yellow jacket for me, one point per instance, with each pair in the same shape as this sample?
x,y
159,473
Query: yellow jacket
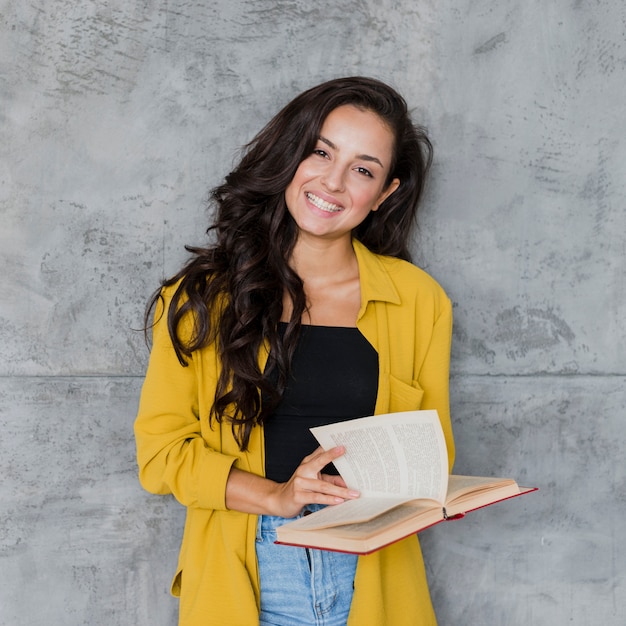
x,y
407,317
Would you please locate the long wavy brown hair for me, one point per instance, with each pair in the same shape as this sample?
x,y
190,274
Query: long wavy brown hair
x,y
234,287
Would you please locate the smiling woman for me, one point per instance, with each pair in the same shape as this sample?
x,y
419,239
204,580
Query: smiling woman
x,y
345,177
333,190
305,311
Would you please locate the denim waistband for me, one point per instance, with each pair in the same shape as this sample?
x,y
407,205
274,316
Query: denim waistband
x,y
269,523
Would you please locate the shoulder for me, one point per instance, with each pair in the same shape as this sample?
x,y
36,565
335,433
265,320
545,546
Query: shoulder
x,y
406,273
187,289
171,289
389,274
169,294
418,290
186,315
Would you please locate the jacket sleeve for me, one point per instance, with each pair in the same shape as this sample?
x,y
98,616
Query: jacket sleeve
x,y
434,374
172,455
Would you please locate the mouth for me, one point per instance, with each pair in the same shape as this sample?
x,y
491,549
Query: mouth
x,y
329,207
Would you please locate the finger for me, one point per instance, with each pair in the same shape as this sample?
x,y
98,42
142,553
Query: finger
x,y
322,457
324,487
316,497
335,480
318,452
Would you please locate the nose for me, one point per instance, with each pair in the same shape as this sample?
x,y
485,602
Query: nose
x,y
333,178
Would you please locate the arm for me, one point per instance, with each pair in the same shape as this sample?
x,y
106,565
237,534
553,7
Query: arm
x,y
434,374
250,493
173,457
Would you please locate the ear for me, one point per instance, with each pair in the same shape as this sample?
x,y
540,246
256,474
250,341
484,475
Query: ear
x,y
385,193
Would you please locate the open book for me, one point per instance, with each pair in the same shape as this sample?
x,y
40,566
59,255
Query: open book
x,y
399,463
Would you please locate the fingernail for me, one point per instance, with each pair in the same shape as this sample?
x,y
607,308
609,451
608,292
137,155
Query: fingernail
x,y
354,494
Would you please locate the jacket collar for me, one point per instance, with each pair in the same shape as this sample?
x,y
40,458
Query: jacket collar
x,y
374,277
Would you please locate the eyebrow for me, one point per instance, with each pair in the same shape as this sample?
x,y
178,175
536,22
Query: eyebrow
x,y
364,157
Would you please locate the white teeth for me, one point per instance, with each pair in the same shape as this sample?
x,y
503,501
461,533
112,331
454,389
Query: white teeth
x,y
322,204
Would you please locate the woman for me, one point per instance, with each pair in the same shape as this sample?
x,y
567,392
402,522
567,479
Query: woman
x,y
304,311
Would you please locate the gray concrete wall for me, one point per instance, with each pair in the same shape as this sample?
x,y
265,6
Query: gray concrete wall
x,y
117,117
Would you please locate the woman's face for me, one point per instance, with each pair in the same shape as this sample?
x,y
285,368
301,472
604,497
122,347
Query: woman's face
x,y
343,179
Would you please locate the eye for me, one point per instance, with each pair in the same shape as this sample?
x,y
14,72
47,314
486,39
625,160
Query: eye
x,y
320,152
364,171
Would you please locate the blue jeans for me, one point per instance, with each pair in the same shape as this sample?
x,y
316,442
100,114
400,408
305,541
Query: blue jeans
x,y
301,586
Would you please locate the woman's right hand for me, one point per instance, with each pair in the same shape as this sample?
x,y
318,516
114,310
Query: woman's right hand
x,y
309,485
250,493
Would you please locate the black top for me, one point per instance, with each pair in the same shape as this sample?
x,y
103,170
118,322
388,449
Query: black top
x,y
334,377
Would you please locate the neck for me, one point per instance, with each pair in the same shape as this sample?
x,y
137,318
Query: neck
x,y
330,273
324,260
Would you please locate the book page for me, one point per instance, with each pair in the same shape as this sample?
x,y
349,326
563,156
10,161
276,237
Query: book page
x,y
413,510
459,485
470,492
387,512
396,454
349,512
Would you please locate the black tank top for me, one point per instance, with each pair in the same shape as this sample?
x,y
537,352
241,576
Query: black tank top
x,y
334,377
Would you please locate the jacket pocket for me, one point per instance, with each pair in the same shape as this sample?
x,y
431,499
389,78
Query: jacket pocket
x,y
404,396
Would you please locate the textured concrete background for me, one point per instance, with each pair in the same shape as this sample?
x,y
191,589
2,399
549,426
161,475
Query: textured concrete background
x,y
116,119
